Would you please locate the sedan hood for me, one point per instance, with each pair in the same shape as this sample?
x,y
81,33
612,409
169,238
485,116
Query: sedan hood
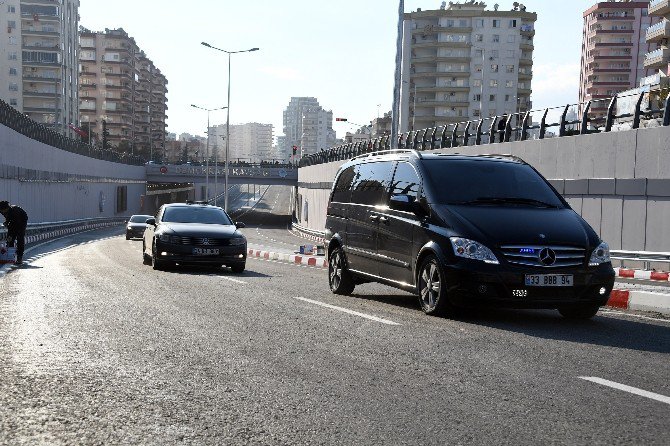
x,y
200,230
504,225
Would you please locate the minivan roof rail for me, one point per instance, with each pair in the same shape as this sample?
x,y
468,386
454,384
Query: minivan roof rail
x,y
486,155
387,152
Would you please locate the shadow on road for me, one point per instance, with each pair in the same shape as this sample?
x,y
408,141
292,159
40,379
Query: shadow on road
x,y
199,270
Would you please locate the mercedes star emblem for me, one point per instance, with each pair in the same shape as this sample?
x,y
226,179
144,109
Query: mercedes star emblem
x,y
547,257
205,241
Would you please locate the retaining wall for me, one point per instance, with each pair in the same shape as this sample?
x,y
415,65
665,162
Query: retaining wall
x,y
54,185
619,182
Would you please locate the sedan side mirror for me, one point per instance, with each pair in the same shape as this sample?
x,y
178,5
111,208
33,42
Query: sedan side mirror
x,y
151,221
240,225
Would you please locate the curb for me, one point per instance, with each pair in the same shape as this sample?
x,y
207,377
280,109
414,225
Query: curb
x,y
639,300
297,259
641,274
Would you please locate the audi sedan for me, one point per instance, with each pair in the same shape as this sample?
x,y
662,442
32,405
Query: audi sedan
x,y
194,233
136,225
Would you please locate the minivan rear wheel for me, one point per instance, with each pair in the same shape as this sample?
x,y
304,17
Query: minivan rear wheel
x,y
581,312
432,288
339,277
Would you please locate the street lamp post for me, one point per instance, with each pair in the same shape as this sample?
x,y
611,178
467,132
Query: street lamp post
x,y
208,110
230,53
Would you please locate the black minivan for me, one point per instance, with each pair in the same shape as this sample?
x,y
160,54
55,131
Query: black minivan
x,y
462,231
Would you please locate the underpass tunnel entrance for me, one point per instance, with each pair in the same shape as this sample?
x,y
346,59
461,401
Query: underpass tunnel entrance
x,y
261,205
158,194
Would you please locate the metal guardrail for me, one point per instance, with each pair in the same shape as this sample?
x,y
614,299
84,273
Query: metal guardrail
x,y
47,230
21,123
596,116
309,231
646,257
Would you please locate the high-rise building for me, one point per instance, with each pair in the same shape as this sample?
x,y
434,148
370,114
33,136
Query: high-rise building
x,y
659,34
251,141
40,56
307,126
121,86
463,61
613,50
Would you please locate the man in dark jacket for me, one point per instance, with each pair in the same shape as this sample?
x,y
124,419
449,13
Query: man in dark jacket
x,y
16,221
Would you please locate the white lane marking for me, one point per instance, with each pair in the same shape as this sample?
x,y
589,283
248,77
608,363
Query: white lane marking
x,y
629,389
344,310
234,280
606,312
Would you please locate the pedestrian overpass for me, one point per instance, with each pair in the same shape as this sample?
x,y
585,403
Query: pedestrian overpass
x,y
238,173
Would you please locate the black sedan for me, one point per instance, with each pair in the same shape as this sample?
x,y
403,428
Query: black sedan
x,y
136,225
194,233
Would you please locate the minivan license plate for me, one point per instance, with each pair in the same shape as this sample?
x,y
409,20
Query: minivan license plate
x,y
205,251
549,280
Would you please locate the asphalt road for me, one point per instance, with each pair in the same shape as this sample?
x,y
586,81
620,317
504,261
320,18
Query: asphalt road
x,y
96,348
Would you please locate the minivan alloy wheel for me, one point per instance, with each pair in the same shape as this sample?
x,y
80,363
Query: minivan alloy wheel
x,y
430,285
432,288
339,278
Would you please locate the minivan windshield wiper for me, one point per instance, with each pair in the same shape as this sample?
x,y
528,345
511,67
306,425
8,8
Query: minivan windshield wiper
x,y
509,200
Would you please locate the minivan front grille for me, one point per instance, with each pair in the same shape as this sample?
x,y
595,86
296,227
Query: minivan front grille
x,y
544,256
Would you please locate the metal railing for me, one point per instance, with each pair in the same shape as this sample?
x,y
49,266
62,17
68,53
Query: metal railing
x,y
596,116
48,230
21,123
646,257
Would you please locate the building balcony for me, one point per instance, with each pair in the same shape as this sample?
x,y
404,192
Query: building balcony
x,y
659,7
437,44
607,70
41,109
32,63
440,88
525,76
601,32
525,61
613,45
38,94
659,31
657,59
526,46
436,73
38,78
37,46
40,32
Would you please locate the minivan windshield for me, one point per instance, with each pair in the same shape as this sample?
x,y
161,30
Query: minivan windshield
x,y
489,182
193,214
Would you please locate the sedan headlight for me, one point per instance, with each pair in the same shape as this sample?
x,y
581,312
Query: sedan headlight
x,y
164,238
237,241
167,238
600,255
469,249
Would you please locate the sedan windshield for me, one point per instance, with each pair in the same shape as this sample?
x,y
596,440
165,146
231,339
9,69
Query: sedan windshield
x,y
202,215
139,218
489,182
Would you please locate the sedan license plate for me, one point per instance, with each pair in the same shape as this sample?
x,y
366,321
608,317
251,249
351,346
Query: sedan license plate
x,y
205,251
549,280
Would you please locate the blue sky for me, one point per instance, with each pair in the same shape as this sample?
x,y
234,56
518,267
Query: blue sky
x,y
341,52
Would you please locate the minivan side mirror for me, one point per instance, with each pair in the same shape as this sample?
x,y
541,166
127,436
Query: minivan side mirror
x,y
240,225
151,221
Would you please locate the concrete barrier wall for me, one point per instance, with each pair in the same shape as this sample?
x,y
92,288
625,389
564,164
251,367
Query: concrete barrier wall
x,y
53,184
619,182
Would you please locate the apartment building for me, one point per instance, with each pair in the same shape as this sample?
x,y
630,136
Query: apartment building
x,y
250,142
121,86
613,50
463,61
40,54
306,125
659,34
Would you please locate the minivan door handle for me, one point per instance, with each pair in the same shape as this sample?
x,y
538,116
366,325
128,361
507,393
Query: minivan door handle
x,y
384,220
374,218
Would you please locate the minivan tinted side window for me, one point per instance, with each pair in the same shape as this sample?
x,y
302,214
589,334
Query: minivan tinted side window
x,y
342,190
370,183
406,181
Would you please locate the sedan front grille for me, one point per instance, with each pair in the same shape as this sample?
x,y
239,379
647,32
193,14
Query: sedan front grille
x,y
544,256
204,241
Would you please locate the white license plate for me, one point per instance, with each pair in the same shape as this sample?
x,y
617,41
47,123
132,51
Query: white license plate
x,y
205,251
549,280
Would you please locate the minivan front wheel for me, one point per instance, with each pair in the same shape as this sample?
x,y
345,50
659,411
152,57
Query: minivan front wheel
x,y
432,288
339,277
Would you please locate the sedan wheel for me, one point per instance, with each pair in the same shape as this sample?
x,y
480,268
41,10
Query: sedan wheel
x,y
155,262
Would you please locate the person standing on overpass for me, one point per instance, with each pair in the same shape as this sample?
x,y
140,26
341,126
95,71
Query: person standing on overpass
x,y
16,221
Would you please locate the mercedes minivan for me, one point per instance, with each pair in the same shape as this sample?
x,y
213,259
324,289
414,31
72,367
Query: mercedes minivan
x,y
463,231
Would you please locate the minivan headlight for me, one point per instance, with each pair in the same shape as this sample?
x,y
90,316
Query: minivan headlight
x,y
469,249
600,255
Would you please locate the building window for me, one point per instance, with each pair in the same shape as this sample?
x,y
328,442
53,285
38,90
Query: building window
x,y
12,72
494,68
475,113
512,23
492,98
479,53
12,40
477,97
507,97
479,23
493,83
496,23
11,9
479,37
509,84
494,54
13,86
509,68
478,68
496,38
11,24
511,53
13,101
12,55
463,23
477,83
511,38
